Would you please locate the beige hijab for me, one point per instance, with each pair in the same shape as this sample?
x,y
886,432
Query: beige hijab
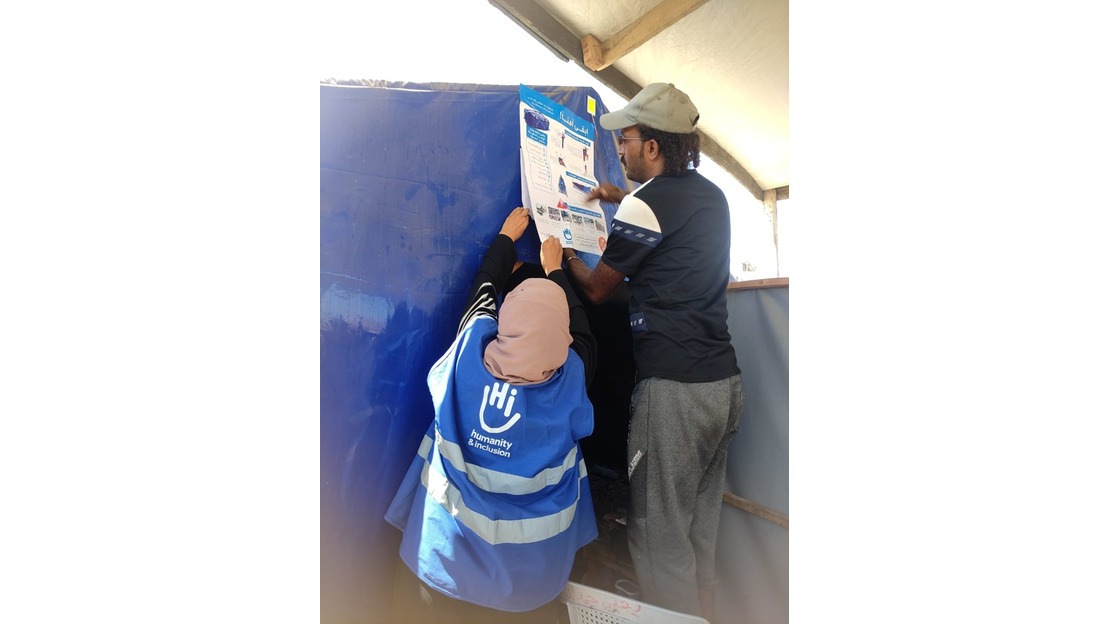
x,y
533,333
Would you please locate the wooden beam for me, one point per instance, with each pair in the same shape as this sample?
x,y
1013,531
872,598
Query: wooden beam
x,y
712,149
597,55
538,23
771,207
770,282
542,26
756,509
782,192
567,46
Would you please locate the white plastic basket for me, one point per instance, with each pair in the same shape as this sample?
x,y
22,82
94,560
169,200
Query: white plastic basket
x,y
590,605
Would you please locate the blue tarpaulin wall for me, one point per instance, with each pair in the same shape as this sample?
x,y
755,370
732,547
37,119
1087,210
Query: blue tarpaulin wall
x,y
415,181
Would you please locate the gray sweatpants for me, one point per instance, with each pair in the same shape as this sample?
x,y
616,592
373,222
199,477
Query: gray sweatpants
x,y
678,439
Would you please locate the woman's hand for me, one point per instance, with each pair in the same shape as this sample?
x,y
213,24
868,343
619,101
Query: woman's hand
x,y
551,255
515,223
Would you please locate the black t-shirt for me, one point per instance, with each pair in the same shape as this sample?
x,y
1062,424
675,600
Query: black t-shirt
x,y
671,238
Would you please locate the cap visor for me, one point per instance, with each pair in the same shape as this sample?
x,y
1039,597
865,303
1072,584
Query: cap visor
x,y
615,120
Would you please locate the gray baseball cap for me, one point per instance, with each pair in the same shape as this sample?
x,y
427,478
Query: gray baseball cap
x,y
659,105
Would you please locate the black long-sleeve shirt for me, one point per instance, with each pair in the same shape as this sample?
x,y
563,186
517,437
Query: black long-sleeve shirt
x,y
489,285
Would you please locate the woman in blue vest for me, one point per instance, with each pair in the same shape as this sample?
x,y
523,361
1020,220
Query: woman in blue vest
x,y
497,502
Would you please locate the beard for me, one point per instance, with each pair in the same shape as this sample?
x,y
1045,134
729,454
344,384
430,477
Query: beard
x,y
635,173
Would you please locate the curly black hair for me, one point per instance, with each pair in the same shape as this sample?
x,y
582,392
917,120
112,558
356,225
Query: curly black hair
x,y
679,150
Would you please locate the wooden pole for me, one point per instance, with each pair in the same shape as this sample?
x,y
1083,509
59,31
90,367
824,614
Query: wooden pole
x,y
757,510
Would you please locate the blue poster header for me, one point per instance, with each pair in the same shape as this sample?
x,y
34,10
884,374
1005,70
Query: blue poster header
x,y
575,124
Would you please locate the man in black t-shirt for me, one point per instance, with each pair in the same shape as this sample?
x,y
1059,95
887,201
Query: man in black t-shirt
x,y
670,238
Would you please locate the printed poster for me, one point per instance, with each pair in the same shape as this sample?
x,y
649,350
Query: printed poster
x,y
556,173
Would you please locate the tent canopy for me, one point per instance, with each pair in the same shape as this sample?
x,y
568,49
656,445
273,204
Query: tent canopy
x,y
730,57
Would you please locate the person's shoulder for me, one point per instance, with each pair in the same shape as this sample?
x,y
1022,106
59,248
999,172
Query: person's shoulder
x,y
665,189
669,181
693,177
481,325
695,182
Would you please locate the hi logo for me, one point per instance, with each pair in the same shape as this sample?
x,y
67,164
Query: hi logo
x,y
500,391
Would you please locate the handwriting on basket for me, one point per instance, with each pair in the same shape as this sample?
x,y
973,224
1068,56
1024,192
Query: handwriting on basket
x,y
605,603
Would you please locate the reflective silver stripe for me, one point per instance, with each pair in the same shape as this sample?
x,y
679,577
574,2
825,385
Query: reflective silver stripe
x,y
501,482
425,447
524,531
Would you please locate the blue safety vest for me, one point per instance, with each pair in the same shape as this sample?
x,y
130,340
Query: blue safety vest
x,y
496,503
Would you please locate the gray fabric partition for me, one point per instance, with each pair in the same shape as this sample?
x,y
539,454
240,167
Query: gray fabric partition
x,y
752,552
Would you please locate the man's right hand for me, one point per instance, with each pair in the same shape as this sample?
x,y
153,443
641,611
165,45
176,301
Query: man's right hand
x,y
607,192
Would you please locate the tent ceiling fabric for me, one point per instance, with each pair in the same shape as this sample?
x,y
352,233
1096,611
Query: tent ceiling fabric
x,y
730,56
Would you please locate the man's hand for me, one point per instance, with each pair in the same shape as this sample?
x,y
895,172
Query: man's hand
x,y
551,255
515,223
607,192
